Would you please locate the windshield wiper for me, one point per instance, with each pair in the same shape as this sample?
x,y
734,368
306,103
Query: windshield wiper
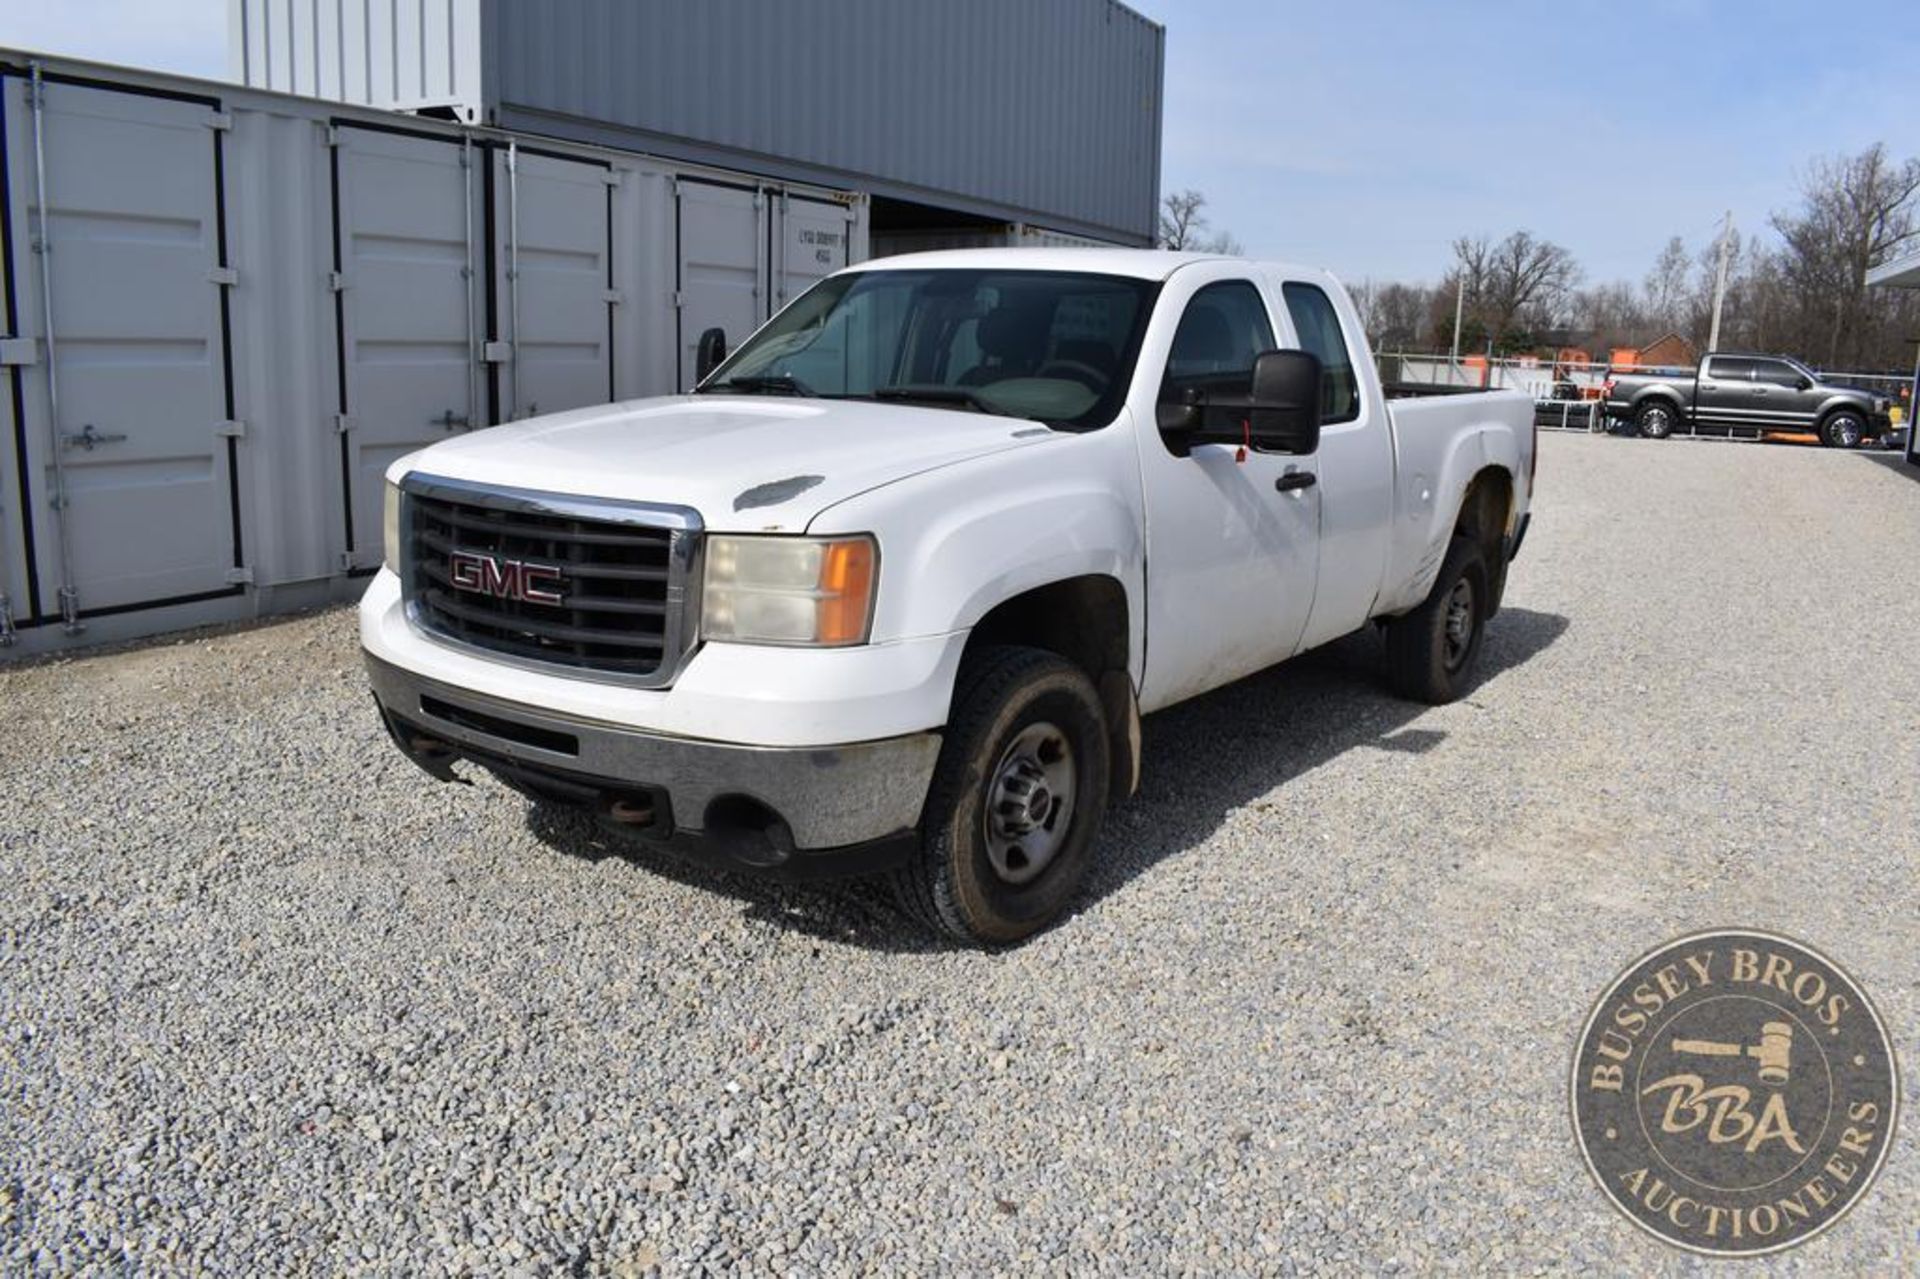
x,y
942,394
763,384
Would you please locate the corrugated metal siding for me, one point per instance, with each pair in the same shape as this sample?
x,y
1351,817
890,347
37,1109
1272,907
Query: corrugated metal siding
x,y
1050,110
1020,111
383,53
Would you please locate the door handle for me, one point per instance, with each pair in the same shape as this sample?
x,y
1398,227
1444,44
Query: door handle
x,y
1295,480
87,439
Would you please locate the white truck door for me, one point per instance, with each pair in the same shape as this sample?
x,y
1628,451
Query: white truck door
x,y
1355,466
1231,557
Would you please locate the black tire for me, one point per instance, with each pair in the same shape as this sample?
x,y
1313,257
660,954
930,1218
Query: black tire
x,y
1655,419
1430,658
1843,429
953,885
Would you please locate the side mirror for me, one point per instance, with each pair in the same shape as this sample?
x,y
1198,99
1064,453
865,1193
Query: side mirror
x,y
1284,407
707,356
1804,382
1276,408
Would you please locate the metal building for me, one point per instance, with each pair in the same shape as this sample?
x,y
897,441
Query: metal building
x,y
228,308
950,115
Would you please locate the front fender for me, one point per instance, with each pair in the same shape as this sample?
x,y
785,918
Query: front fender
x,y
956,541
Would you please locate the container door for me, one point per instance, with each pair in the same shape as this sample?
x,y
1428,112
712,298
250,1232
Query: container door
x,y
406,301
553,217
810,244
16,600
134,235
722,265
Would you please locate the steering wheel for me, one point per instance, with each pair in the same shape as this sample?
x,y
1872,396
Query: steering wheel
x,y
1094,378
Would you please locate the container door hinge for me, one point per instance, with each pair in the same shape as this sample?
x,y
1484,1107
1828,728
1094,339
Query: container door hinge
x,y
336,282
342,423
220,120
497,352
230,430
224,276
610,176
19,351
612,297
679,299
333,135
239,577
351,560
6,622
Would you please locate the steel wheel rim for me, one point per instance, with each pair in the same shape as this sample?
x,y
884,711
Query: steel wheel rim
x,y
1029,803
1459,624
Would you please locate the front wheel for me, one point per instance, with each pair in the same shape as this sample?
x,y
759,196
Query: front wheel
x,y
1431,651
1843,430
1656,419
1016,801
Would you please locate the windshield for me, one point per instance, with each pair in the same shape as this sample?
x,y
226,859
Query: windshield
x,y
1054,346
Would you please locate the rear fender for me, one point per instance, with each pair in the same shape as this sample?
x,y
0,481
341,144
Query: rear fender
x,y
1432,505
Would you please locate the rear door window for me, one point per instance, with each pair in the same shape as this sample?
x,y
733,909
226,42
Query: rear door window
x,y
1730,368
1320,334
1776,373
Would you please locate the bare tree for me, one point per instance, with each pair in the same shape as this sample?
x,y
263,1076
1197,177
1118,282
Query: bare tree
x,y
1611,315
1183,225
1859,210
1519,281
1397,315
1666,287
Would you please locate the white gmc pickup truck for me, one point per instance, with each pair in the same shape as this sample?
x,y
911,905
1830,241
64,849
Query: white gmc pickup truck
x,y
889,592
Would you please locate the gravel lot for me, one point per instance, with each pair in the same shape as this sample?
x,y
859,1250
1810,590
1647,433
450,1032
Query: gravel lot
x,y
271,1000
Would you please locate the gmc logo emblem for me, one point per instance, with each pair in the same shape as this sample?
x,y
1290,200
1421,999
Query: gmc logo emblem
x,y
505,579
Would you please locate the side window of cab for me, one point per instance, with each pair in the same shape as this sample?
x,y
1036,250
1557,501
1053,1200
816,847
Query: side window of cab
x,y
1319,327
1223,328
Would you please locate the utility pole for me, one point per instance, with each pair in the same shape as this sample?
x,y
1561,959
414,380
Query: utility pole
x,y
1459,307
1720,283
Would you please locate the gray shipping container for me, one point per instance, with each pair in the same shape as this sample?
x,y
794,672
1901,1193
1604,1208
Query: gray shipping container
x,y
224,312
1007,110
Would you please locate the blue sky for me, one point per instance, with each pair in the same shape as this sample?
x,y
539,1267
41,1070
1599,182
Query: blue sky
x,y
1366,135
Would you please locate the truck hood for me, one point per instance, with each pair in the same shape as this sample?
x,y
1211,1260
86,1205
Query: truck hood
x,y
747,465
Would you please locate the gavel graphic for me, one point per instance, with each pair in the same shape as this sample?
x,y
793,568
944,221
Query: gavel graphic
x,y
1773,1052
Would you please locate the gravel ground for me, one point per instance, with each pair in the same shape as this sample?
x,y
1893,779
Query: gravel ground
x,y
271,1000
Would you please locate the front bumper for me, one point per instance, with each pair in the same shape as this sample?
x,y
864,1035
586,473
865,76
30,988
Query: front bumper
x,y
806,811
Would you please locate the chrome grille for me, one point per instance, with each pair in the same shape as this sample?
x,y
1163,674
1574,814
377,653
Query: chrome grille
x,y
598,587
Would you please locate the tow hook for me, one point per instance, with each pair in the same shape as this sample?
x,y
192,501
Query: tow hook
x,y
631,812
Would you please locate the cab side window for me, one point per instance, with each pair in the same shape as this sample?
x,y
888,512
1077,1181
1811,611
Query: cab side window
x,y
1319,327
1776,373
1223,328
1727,368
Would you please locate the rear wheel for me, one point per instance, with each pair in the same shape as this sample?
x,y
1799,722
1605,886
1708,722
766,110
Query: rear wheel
x,y
1843,429
1656,419
1016,800
1431,651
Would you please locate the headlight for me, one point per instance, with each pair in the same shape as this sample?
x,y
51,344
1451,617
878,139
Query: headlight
x,y
390,528
789,590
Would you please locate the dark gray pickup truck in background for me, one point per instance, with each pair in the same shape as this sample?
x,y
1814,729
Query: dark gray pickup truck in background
x,y
1745,395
